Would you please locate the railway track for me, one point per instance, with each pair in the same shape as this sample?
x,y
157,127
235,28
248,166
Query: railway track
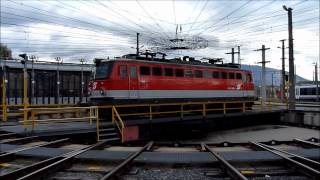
x,y
157,160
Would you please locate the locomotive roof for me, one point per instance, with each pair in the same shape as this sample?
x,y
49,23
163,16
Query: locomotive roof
x,y
205,65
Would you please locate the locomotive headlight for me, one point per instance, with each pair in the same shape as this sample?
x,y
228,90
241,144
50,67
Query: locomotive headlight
x,y
101,92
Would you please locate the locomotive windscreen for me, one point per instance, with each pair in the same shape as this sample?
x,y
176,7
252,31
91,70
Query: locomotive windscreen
x,y
103,70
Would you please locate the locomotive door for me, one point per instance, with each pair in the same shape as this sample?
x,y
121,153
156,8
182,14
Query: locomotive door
x,y
133,83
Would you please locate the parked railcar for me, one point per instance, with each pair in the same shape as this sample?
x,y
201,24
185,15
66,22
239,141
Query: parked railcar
x,y
145,80
307,92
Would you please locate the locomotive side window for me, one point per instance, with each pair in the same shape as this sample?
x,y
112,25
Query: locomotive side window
x,y
133,72
224,75
179,72
188,73
144,70
206,74
168,71
198,74
231,75
123,71
238,76
215,74
156,71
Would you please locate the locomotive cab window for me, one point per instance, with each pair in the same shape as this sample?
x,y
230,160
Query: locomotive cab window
x,y
231,75
198,74
179,72
224,75
215,74
168,71
123,71
249,78
103,70
144,70
133,72
156,71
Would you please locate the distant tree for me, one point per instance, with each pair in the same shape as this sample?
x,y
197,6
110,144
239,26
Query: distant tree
x,y
5,52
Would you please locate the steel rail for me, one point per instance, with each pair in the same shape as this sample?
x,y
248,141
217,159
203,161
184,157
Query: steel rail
x,y
17,139
127,161
316,163
308,143
53,164
307,170
5,155
8,134
232,171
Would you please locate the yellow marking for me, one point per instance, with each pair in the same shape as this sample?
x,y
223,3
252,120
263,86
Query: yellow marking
x,y
94,168
247,171
5,165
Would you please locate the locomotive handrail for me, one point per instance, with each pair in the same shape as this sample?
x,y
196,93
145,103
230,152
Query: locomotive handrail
x,y
118,121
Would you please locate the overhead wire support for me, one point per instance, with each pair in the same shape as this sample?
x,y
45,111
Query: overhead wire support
x,y
263,72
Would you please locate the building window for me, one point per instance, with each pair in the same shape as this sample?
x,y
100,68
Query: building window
x,y
179,72
231,75
123,71
198,74
238,76
215,74
168,71
156,71
144,70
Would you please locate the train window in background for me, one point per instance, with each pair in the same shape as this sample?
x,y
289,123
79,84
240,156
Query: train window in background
x,y
179,72
156,71
231,75
238,76
198,74
168,71
224,75
144,70
123,71
215,74
133,72
206,74
188,73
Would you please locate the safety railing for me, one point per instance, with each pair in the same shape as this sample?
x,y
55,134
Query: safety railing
x,y
116,119
33,115
14,110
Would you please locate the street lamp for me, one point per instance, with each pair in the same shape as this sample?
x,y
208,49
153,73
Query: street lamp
x,y
82,82
59,60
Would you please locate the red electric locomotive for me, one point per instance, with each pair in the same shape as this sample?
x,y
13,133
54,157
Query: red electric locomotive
x,y
133,78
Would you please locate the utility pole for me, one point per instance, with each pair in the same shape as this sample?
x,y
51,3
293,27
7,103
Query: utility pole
x,y
32,79
58,59
137,53
263,81
82,82
4,91
25,87
239,58
317,81
292,99
283,72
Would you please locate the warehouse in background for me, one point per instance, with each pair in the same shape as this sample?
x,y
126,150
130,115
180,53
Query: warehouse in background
x,y
45,88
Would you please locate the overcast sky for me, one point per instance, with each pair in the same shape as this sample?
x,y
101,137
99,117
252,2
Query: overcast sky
x,y
101,28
